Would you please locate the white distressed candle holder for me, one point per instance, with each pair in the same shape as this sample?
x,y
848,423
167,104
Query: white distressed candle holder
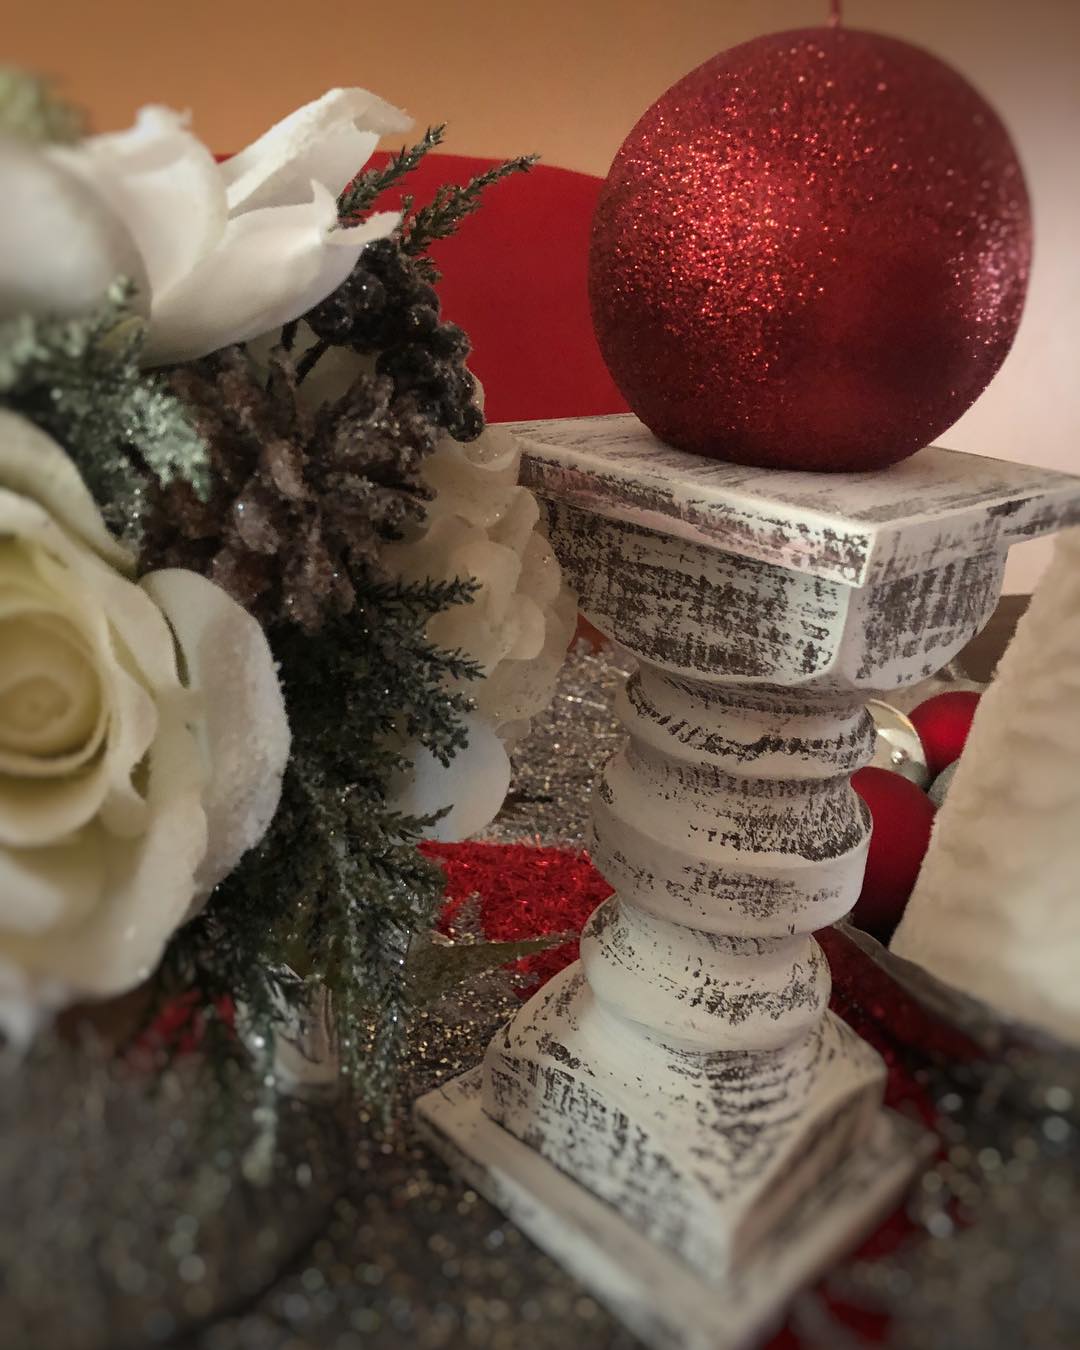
x,y
678,1117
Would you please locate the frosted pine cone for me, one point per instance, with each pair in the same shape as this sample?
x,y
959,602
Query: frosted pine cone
x,y
303,497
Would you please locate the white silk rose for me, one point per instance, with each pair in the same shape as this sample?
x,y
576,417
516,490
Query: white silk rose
x,y
218,253
483,525
143,739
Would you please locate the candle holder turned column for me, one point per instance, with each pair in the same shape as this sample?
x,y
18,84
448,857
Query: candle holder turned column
x,y
678,1117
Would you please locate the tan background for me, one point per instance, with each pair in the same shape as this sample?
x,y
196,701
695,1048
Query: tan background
x,y
568,79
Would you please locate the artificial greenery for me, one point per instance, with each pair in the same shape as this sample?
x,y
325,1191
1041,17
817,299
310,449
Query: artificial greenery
x,y
358,195
337,889
239,467
435,967
337,892
79,380
451,204
442,216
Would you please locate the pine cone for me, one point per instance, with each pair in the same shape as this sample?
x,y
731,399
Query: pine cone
x,y
386,308
302,498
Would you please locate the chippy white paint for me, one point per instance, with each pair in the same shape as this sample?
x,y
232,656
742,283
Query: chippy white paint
x,y
681,1101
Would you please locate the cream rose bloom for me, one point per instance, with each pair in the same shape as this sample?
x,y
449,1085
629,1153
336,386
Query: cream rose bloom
x,y
142,742
483,524
218,253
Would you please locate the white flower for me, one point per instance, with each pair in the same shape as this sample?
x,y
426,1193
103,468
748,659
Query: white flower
x,y
482,524
127,790
220,253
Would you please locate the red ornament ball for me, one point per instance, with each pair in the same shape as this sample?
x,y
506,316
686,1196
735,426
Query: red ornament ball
x,y
810,253
902,815
943,723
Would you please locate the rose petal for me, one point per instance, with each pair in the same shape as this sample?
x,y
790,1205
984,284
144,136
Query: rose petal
x,y
271,266
23,595
497,451
38,813
163,183
27,1003
541,576
244,735
33,465
328,141
147,888
50,695
528,631
482,524
127,630
35,813
516,525
517,690
133,649
44,887
60,246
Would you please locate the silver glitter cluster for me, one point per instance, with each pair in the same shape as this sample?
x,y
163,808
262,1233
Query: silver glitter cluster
x,y
554,767
996,1244
138,1201
994,1262
409,1256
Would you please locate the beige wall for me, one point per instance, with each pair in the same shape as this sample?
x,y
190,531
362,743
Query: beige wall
x,y
568,78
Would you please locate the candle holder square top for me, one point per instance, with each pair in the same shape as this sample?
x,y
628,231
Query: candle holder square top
x,y
938,506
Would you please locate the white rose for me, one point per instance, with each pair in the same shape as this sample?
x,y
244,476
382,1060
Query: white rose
x,y
482,524
127,789
219,253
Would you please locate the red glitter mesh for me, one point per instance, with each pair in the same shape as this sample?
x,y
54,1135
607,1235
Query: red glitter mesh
x,y
522,892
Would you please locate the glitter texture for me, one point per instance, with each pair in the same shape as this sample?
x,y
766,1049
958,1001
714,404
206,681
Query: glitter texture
x,y
191,1218
811,252
570,742
522,892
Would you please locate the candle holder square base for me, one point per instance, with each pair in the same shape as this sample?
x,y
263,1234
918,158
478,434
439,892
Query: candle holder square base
x,y
704,1153
656,1295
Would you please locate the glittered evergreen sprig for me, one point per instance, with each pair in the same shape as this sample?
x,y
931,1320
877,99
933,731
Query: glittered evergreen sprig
x,y
335,893
442,216
360,193
304,490
79,379
453,203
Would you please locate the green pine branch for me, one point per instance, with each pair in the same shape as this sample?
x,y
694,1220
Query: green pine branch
x,y
79,380
359,194
434,968
337,890
453,203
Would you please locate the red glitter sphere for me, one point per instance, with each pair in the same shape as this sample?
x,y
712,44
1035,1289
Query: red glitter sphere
x,y
811,252
943,723
903,815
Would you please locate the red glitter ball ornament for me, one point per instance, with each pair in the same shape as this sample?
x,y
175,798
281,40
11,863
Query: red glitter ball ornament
x,y
943,723
811,252
903,816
